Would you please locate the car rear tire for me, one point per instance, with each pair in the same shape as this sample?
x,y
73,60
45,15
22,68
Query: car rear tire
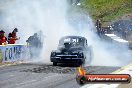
x,y
79,64
83,63
54,64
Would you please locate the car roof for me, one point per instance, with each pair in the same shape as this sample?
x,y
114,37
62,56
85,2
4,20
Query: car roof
x,y
73,37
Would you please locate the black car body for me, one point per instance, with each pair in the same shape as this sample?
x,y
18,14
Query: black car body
x,y
71,49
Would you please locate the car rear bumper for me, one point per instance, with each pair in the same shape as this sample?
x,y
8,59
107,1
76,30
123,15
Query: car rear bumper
x,y
66,60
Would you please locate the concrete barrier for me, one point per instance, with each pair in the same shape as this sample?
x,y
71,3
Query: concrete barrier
x,y
13,52
117,40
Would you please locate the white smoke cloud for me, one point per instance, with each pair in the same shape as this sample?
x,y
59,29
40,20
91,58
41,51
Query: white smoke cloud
x,y
54,19
104,53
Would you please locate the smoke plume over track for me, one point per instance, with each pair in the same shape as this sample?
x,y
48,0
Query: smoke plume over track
x,y
56,20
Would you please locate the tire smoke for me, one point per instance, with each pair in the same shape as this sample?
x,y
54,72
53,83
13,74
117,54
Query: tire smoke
x,y
56,20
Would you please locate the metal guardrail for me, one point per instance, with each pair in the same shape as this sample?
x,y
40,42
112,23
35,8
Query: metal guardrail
x,y
13,52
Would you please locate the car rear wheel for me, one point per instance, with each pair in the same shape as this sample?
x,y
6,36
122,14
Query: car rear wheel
x,y
79,64
54,64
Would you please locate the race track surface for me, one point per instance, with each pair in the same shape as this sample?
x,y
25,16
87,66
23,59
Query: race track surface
x,y
44,75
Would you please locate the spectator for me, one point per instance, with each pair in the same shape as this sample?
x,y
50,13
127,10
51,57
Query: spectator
x,y
98,27
35,45
3,39
12,36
